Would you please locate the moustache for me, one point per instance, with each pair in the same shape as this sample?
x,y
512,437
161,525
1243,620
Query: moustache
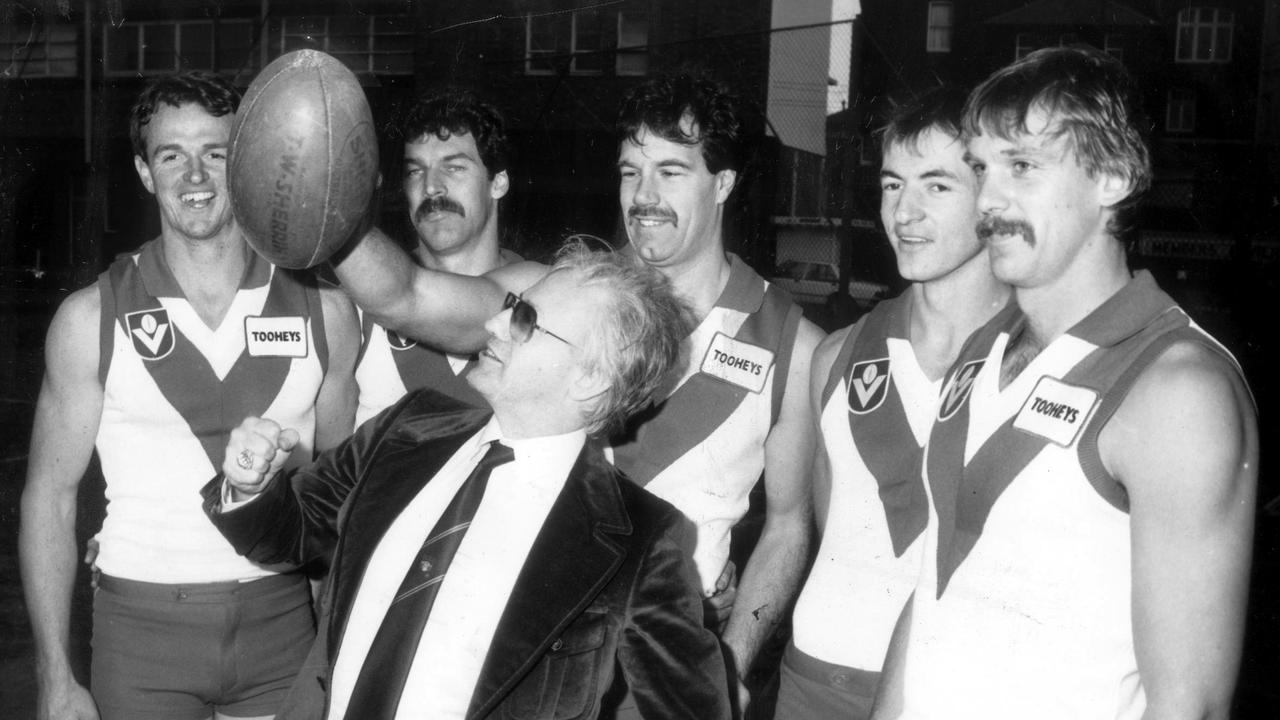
x,y
652,213
989,226
438,203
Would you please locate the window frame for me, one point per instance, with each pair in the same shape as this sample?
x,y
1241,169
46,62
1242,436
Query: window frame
x,y
40,34
627,50
529,58
111,37
1192,22
1182,102
368,53
575,53
937,38
1113,45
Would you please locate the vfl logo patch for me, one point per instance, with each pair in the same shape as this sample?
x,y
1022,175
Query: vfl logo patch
x,y
957,391
398,341
151,333
868,385
737,362
276,336
1056,411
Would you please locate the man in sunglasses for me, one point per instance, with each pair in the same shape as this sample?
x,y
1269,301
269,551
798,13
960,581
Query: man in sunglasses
x,y
740,408
449,601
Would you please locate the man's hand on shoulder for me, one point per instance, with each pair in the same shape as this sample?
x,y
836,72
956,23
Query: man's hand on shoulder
x,y
256,450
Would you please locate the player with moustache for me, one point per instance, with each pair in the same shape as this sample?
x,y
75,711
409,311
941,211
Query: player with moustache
x,y
456,155
1092,470
875,389
740,406
154,364
566,577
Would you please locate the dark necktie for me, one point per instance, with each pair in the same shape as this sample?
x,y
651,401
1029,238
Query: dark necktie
x,y
377,691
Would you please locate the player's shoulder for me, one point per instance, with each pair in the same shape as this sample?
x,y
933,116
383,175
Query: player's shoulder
x,y
80,308
1189,416
74,331
1191,369
827,349
1191,395
808,337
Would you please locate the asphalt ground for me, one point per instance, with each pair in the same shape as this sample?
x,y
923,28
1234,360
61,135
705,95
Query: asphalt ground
x,y
24,319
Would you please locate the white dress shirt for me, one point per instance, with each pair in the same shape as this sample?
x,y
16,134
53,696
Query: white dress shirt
x,y
479,581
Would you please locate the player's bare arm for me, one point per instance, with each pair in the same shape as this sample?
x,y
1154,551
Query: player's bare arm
x,y
66,423
336,401
441,309
444,310
518,277
819,371
773,573
1185,446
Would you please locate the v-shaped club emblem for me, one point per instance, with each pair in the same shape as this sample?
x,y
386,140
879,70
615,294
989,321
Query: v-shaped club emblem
x,y
151,332
398,341
868,385
957,390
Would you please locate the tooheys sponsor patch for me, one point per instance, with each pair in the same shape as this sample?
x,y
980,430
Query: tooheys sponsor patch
x,y
276,336
1056,411
151,333
737,362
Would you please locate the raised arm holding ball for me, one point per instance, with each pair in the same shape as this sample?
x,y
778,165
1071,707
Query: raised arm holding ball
x,y
304,170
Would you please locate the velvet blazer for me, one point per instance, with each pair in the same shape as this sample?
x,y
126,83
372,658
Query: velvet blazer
x,y
608,595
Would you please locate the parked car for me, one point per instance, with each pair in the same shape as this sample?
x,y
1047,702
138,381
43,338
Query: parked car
x,y
812,281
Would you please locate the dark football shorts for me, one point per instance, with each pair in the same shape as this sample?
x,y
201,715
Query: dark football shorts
x,y
812,688
182,651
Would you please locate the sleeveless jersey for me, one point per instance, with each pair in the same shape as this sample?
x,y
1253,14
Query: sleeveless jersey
x,y
702,449
174,388
1024,602
391,365
877,409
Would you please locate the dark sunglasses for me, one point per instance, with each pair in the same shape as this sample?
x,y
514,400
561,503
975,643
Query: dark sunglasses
x,y
524,320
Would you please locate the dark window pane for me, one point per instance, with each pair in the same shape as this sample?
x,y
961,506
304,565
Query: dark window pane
x,y
349,25
122,49
393,43
235,46
197,45
399,64
158,48
304,26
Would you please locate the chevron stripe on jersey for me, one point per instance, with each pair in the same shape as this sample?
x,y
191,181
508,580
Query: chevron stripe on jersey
x,y
657,437
971,462
390,365
878,421
419,366
185,376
